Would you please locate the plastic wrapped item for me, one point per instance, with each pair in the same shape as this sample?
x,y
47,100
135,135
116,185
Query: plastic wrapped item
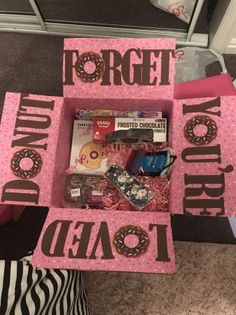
x,y
90,113
114,201
135,192
157,163
182,9
84,191
192,63
118,153
107,197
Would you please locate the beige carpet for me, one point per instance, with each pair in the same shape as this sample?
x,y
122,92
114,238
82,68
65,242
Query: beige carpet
x,y
205,283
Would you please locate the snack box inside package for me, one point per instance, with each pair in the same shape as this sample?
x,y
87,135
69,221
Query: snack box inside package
x,y
86,155
37,130
104,127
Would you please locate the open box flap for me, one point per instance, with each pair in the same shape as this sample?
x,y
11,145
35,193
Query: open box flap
x,y
28,140
125,68
96,240
204,174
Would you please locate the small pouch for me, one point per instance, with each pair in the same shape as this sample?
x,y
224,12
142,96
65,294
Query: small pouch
x,y
135,192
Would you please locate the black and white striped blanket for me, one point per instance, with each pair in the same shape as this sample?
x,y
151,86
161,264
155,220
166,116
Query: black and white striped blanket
x,y
25,290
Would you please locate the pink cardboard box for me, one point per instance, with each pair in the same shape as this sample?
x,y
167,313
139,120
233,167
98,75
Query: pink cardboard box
x,y
136,74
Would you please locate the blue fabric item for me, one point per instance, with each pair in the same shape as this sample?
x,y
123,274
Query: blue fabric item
x,y
154,163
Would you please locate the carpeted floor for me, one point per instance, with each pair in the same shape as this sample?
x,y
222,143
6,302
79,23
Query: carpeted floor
x,y
205,284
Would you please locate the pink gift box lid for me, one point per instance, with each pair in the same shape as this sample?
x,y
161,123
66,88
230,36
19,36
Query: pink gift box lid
x,y
203,176
132,68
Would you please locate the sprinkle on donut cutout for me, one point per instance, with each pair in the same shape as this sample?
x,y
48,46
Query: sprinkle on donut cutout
x,y
119,241
99,67
26,173
200,120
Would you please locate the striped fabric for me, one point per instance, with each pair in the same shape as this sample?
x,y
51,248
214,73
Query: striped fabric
x,y
25,290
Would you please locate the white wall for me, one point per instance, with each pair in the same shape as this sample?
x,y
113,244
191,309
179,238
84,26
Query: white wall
x,y
222,37
231,46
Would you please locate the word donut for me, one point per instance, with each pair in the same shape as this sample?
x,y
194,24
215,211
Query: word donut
x,y
119,241
200,120
19,156
98,72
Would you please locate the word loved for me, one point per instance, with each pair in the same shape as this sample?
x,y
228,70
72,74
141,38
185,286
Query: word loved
x,y
57,240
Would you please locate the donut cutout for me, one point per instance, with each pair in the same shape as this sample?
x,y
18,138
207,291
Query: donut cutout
x,y
123,249
206,121
99,67
17,160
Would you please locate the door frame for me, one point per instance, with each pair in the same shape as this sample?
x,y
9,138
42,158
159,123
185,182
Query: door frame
x,y
222,35
36,24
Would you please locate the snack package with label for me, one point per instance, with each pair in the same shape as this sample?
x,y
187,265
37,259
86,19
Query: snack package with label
x,y
86,155
135,129
84,191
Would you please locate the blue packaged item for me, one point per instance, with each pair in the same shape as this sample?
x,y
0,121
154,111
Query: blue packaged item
x,y
151,164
